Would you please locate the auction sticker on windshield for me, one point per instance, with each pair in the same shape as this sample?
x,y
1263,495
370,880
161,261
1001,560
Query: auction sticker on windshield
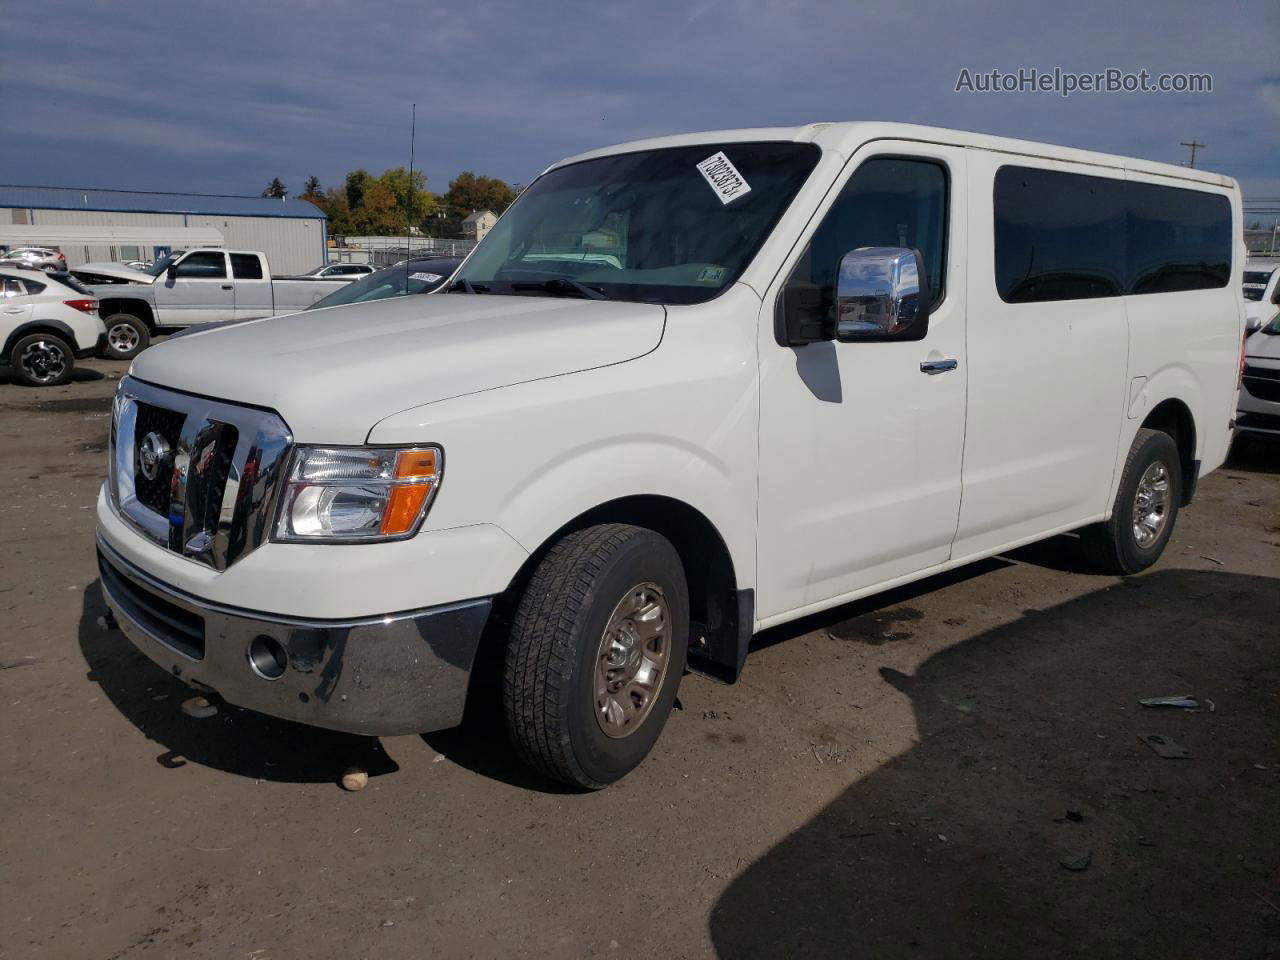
x,y
426,277
724,177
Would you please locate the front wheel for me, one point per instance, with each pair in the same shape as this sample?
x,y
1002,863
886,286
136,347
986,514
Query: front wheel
x,y
596,653
42,360
1146,507
127,336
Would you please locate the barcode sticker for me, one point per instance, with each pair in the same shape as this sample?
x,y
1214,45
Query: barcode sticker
x,y
724,177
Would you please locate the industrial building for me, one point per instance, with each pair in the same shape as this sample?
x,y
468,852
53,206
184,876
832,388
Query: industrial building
x,y
90,225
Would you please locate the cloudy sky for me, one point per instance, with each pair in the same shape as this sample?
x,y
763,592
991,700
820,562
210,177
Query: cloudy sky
x,y
219,97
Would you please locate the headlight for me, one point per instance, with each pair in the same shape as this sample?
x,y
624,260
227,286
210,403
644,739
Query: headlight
x,y
357,494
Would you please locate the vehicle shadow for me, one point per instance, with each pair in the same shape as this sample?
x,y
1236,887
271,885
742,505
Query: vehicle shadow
x,y
236,741
1257,453
78,375
1028,757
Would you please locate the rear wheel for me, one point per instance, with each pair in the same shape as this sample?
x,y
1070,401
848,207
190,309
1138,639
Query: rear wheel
x,y
127,336
42,360
1145,510
596,653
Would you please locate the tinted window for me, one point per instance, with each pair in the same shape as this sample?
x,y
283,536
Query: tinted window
x,y
1177,239
246,266
887,202
1058,236
203,265
1066,236
13,288
34,286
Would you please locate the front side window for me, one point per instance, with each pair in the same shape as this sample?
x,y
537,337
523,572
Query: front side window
x,y
203,265
888,202
675,225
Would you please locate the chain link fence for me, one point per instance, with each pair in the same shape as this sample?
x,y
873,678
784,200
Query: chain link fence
x,y
386,251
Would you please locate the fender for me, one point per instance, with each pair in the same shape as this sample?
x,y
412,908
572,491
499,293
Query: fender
x,y
1173,382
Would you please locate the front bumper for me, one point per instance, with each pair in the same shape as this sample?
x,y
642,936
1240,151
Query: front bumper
x,y
381,676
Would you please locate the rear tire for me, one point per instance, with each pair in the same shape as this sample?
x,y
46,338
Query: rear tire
x,y
596,653
127,336
1145,510
42,360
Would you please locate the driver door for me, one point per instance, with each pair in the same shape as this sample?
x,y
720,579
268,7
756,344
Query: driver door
x,y
199,291
861,443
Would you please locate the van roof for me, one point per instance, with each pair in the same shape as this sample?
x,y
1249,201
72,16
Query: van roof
x,y
844,138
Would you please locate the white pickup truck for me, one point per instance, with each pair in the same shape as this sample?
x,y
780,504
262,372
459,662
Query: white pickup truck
x,y
189,287
684,390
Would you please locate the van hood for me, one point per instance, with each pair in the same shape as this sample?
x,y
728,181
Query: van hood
x,y
335,372
1262,346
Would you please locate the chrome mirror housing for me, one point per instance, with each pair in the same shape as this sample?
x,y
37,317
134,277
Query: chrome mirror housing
x,y
882,293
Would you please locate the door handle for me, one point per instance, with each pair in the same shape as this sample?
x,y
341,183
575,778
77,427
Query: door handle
x,y
938,366
226,286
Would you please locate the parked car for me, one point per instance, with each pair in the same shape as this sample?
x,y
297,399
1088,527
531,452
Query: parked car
x,y
1261,292
408,277
1259,411
43,258
48,321
191,287
593,476
338,271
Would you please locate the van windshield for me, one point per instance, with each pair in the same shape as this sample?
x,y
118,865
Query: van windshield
x,y
676,225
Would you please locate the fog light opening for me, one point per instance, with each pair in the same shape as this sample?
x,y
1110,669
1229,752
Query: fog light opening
x,y
267,658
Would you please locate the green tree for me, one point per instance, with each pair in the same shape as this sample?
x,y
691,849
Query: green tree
x,y
311,189
276,189
468,193
358,181
380,213
416,204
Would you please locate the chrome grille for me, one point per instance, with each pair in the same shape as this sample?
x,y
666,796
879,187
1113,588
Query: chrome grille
x,y
196,476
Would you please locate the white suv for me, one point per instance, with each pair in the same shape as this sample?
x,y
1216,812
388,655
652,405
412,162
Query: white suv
x,y
46,323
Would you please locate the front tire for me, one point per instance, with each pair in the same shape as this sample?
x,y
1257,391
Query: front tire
x,y
596,653
127,336
42,360
1145,510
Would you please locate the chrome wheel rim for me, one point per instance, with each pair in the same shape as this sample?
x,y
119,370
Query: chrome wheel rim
x,y
43,361
631,660
122,337
1151,504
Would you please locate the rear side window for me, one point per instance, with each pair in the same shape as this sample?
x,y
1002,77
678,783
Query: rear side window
x,y
1177,239
246,266
204,265
1068,236
33,286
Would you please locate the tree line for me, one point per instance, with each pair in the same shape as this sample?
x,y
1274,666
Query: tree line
x,y
385,206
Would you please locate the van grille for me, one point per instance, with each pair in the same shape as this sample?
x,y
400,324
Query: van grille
x,y
1262,382
196,476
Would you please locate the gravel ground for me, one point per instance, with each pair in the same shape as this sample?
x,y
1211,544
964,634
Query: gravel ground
x,y
905,776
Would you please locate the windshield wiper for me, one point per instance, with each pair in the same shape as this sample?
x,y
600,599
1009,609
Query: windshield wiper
x,y
562,285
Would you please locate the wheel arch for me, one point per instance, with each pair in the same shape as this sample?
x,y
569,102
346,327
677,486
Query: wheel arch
x,y
130,305
722,615
1174,417
55,327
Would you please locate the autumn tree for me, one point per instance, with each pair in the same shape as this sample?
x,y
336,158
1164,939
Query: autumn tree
x,y
469,193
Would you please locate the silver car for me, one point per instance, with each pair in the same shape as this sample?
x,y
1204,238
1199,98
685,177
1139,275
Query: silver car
x,y
338,271
43,258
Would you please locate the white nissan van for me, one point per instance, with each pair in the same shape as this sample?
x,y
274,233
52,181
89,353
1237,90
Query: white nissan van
x,y
684,390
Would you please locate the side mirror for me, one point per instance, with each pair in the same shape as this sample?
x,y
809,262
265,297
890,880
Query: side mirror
x,y
1252,325
882,293
171,271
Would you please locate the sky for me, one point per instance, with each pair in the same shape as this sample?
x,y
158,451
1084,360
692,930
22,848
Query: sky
x,y
219,97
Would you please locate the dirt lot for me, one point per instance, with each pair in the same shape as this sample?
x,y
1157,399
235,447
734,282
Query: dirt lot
x,y
903,777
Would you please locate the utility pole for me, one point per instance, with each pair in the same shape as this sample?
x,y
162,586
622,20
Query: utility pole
x,y
1194,145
